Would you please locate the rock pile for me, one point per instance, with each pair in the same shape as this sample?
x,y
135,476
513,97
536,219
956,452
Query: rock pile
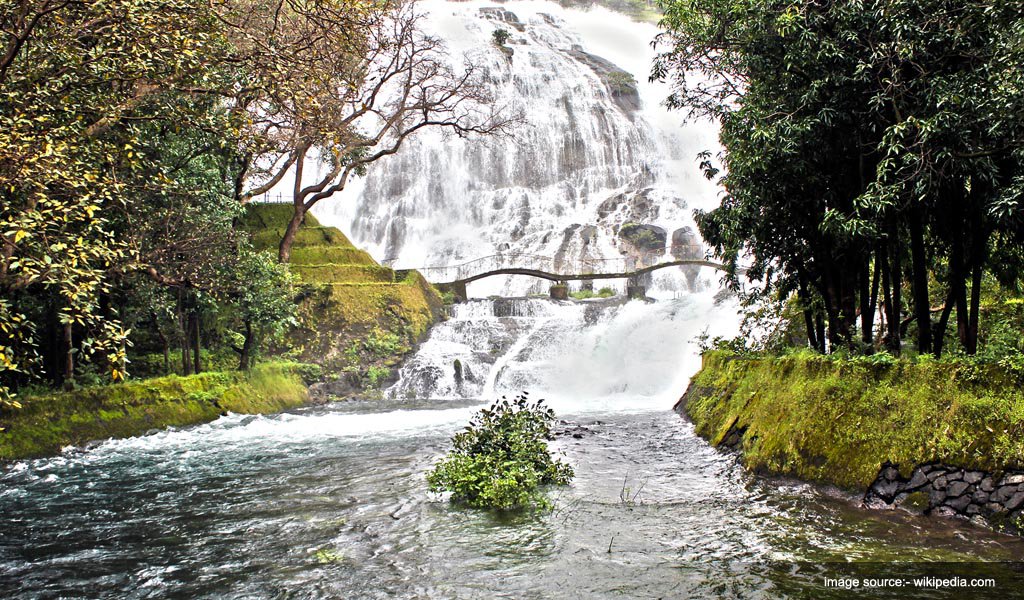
x,y
987,499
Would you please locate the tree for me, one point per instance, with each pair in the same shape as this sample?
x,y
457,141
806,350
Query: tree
x,y
342,84
69,73
867,144
262,301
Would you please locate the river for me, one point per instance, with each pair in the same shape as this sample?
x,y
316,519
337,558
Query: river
x,y
331,501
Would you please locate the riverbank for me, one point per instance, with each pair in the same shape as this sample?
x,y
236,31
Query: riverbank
x,y
934,437
47,423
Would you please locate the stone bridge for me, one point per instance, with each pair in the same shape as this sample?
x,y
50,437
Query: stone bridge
x,y
560,270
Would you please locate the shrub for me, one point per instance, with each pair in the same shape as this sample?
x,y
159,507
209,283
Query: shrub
x,y
501,459
621,82
501,36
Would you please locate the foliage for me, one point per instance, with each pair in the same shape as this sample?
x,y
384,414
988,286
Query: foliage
x,y
501,459
605,292
621,81
376,375
873,154
500,36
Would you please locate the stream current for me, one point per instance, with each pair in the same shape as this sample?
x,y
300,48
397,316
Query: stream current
x,y
331,501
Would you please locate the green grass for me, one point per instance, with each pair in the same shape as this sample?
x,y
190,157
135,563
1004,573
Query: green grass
x,y
838,421
50,422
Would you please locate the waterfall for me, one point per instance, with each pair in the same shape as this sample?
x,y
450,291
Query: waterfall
x,y
597,151
599,170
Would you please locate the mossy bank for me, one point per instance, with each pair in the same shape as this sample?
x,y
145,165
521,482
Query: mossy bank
x,y
871,426
357,319
48,423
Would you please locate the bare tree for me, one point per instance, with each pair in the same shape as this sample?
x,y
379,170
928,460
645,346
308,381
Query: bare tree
x,y
345,88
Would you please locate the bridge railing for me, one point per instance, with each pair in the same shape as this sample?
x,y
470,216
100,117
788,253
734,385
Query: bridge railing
x,y
558,265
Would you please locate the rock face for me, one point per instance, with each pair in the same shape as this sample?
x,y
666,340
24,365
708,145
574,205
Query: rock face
x,y
948,491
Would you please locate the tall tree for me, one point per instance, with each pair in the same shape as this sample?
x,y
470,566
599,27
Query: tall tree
x,y
335,85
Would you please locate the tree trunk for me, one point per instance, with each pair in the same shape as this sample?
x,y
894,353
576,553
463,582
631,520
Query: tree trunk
x,y
869,337
896,283
186,345
867,316
68,353
972,325
819,325
196,359
284,252
246,353
919,269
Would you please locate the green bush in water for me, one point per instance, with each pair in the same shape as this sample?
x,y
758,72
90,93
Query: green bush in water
x,y
501,459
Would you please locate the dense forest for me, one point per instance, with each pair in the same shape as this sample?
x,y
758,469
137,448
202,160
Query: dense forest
x,y
132,135
872,162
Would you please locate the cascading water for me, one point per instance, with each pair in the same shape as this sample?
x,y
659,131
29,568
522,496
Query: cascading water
x,y
587,356
330,501
596,152
599,171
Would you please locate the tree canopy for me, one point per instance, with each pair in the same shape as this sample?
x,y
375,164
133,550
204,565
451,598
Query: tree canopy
x,y
872,154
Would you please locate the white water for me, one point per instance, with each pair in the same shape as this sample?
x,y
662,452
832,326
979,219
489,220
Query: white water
x,y
585,162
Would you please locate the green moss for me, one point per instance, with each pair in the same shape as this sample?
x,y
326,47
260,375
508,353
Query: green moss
x,y
340,255
837,421
331,273
48,423
268,239
272,215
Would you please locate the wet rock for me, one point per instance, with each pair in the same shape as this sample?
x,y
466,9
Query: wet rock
x,y
1015,501
916,502
937,497
621,84
503,15
955,476
987,484
885,489
1004,493
1014,479
573,430
959,504
973,477
980,497
917,480
645,238
957,489
972,509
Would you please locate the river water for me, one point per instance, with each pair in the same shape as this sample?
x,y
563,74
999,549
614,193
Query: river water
x,y
331,501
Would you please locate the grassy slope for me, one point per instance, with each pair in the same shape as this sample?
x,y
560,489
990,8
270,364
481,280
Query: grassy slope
x,y
48,423
837,421
357,318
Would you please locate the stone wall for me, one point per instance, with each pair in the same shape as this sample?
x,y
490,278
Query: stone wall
x,y
987,499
